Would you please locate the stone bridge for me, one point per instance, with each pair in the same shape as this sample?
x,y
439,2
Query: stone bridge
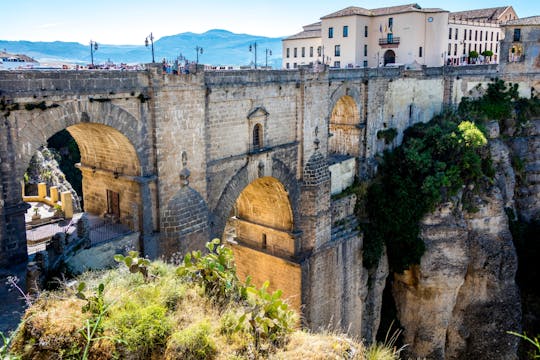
x,y
249,156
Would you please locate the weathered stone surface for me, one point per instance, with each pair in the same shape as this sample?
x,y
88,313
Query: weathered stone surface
x,y
462,298
526,148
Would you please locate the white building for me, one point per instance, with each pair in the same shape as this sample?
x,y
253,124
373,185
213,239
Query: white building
x,y
405,35
478,31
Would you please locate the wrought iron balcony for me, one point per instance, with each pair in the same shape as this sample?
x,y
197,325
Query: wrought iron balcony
x,y
389,41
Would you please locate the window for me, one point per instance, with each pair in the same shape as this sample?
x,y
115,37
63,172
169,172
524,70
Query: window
x,y
319,51
420,51
264,241
480,35
390,38
480,51
474,47
464,47
303,51
455,37
345,30
492,36
449,49
257,137
475,35
496,47
337,50
365,49
390,24
490,46
288,52
330,32
464,34
365,31
337,64
311,51
469,47
497,36
470,34
455,49
295,52
450,33
486,36
365,63
517,34
295,65
288,66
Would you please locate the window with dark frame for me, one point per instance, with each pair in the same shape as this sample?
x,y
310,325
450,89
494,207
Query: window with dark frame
x,y
345,31
337,50
330,32
257,137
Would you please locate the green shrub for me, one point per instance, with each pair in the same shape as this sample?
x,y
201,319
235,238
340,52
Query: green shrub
x,y
192,343
388,135
434,161
215,271
139,329
268,318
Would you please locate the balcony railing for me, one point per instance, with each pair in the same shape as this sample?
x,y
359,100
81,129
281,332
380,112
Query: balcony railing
x,y
387,41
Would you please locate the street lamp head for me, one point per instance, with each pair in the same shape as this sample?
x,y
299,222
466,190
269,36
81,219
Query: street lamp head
x,y
250,47
146,42
95,46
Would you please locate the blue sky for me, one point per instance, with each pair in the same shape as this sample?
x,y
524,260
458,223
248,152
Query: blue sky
x,y
129,22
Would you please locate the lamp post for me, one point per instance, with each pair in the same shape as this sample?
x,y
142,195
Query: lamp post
x,y
198,50
93,48
267,52
150,38
253,47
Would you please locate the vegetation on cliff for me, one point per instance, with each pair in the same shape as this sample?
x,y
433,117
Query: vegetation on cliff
x,y
153,310
434,162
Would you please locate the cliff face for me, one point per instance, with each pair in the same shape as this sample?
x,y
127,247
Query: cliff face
x,y
462,298
44,167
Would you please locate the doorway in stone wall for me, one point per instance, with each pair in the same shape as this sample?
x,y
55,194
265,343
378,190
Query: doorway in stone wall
x,y
389,57
113,204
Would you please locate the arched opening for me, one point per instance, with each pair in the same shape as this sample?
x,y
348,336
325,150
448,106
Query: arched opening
x,y
344,127
516,53
344,146
389,57
108,167
259,230
257,137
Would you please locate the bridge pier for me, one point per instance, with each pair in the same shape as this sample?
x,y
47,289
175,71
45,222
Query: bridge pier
x,y
13,234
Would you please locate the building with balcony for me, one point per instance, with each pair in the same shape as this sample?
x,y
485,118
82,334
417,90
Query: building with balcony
x,y
400,35
476,31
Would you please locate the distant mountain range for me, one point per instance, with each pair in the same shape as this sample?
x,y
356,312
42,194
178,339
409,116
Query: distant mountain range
x,y
220,47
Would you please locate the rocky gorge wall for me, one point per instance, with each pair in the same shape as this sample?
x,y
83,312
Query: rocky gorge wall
x,y
460,301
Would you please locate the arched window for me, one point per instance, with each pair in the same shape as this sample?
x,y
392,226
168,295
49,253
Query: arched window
x,y
257,137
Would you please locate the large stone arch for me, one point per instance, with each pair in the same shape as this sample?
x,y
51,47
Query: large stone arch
x,y
240,181
263,220
100,127
38,126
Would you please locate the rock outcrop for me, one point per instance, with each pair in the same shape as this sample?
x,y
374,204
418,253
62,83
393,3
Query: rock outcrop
x,y
462,298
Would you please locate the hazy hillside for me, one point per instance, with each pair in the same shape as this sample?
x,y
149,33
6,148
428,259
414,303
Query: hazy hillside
x,y
221,47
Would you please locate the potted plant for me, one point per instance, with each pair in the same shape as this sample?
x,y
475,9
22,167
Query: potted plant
x,y
36,215
58,212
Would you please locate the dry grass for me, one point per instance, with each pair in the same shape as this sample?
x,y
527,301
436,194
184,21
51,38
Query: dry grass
x,y
165,318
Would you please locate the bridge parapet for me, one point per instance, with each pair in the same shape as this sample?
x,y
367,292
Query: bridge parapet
x,y
40,83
